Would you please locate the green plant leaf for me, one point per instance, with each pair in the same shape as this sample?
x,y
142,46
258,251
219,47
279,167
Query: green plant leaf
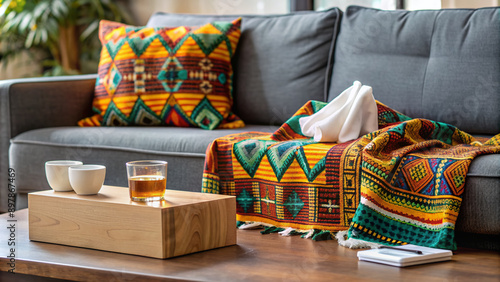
x,y
91,29
25,23
37,26
29,39
4,7
50,63
84,21
10,16
52,26
118,13
98,6
11,24
37,37
44,35
60,10
40,9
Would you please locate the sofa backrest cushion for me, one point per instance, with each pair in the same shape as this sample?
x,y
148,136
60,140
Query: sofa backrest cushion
x,y
281,61
441,65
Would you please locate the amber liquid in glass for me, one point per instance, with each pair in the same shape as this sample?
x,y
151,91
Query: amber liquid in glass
x,y
147,187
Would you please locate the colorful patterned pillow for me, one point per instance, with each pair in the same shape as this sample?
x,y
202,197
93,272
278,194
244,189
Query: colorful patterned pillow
x,y
180,76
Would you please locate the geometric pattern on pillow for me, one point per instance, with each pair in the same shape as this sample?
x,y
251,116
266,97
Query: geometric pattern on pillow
x,y
178,76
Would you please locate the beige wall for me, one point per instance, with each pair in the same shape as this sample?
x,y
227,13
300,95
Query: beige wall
x,y
469,3
21,66
142,9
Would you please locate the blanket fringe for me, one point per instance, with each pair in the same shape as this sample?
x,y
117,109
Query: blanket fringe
x,y
249,225
313,234
323,235
287,232
271,229
352,243
318,235
308,234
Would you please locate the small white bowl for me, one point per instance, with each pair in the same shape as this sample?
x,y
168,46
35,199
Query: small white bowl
x,y
57,174
87,179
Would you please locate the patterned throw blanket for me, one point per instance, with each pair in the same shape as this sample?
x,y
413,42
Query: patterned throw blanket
x,y
400,184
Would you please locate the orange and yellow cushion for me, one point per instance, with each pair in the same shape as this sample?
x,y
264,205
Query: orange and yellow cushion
x,y
179,76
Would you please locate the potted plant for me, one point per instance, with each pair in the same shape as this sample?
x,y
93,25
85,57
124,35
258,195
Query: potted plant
x,y
65,31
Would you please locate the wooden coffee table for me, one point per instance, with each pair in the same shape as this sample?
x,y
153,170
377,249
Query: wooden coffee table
x,y
256,257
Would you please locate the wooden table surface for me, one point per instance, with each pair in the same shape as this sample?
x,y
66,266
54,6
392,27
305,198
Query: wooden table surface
x,y
256,257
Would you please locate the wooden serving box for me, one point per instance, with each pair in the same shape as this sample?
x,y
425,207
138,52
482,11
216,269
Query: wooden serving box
x,y
186,222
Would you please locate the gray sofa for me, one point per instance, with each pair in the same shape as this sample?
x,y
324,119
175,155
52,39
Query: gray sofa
x,y
442,65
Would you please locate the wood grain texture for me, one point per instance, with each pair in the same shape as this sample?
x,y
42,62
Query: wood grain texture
x,y
185,222
256,258
203,226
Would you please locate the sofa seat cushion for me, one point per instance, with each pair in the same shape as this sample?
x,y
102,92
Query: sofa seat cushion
x,y
165,140
441,65
480,211
183,148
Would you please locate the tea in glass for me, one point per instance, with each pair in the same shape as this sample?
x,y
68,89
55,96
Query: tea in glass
x,y
147,180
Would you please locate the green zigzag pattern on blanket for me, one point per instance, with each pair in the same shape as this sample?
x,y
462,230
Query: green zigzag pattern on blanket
x,y
250,152
311,173
281,156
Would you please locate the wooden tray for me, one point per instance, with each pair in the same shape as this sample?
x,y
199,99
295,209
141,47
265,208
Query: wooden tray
x,y
184,223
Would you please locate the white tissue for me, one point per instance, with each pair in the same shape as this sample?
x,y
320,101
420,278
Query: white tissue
x,y
351,115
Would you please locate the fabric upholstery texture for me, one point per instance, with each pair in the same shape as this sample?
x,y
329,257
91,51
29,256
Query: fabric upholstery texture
x,y
5,132
180,76
163,139
282,61
22,108
418,61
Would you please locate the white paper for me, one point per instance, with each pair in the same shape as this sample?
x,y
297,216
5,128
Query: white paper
x,y
402,258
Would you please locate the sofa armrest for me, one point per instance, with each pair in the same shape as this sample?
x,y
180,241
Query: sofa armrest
x,y
46,101
32,103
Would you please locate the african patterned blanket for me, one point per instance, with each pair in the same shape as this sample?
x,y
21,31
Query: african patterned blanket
x,y
400,184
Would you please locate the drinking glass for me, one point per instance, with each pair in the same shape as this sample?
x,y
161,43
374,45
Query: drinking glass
x,y
147,180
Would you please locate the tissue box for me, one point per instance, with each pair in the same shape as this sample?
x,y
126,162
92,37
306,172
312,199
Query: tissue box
x,y
184,223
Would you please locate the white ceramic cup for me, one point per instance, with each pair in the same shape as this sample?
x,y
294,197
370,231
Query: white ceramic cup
x,y
87,179
57,174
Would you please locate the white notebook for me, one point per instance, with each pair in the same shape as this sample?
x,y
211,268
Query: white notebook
x,y
404,258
